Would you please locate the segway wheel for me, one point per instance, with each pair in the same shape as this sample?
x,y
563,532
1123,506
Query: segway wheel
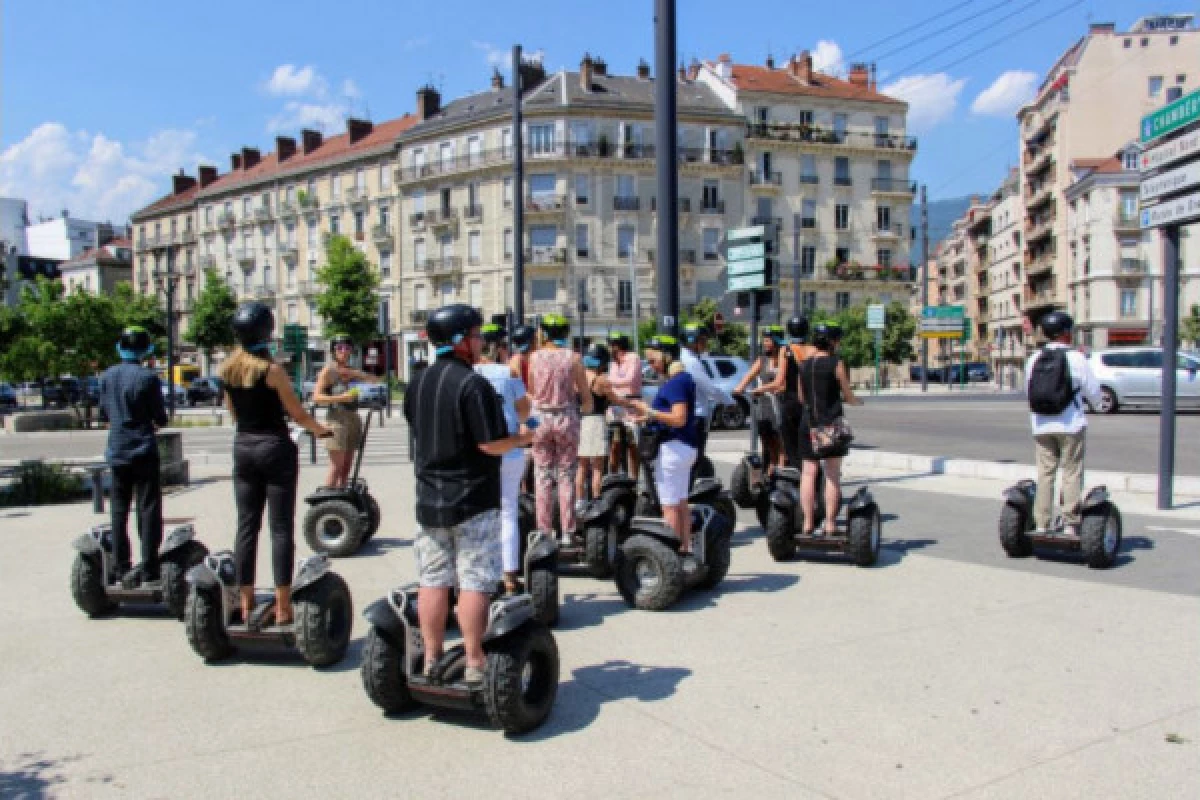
x,y
739,486
718,550
521,679
726,508
644,506
204,627
174,570
383,675
526,516
762,508
649,574
595,552
1100,536
703,469
780,543
324,616
865,535
1014,533
334,527
374,518
87,585
543,587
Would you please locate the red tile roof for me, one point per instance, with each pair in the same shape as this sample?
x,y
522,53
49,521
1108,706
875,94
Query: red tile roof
x,y
100,255
748,78
1105,166
168,203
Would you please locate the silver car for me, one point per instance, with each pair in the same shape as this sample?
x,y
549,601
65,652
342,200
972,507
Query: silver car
x,y
725,372
1132,376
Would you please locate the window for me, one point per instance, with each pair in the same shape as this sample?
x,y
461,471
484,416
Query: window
x,y
842,301
1174,93
508,291
808,168
335,223
384,216
421,297
1145,41
710,199
475,293
1131,160
808,261
385,264
360,220
445,195
245,208
337,185
808,214
625,186
581,190
474,150
581,241
447,288
883,218
806,118
541,139
385,177
474,247
625,241
761,115
506,141
839,126
809,301
541,189
1128,302
711,241
1174,41
625,296
841,255
508,192
446,154
207,218
841,171
543,290
447,246
418,199
1155,85
1181,78
290,234
267,276
508,244
312,237
883,257
841,216
881,126
293,313
419,253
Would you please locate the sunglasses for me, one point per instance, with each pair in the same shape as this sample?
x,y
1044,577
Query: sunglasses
x,y
343,347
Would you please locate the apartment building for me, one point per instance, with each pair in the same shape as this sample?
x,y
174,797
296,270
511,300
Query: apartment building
x,y
827,168
1005,282
164,242
99,269
1089,103
1114,269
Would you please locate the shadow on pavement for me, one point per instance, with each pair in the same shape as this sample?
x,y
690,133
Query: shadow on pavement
x,y
586,609
377,546
761,582
34,776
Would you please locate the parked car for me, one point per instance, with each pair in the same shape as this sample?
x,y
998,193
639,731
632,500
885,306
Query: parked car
x,y
91,391
8,396
205,391
725,373
181,395
977,372
373,395
1132,376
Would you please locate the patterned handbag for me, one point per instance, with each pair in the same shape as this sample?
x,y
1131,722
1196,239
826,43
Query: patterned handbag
x,y
831,438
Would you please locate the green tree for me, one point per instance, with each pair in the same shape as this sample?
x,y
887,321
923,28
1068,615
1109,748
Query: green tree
x,y
348,303
899,333
733,340
1189,327
211,326
61,334
858,343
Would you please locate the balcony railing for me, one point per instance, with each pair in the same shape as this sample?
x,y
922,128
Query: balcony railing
x,y
1040,298
1035,196
712,207
769,180
307,202
626,203
811,134
685,205
1131,266
288,251
262,293
808,223
473,212
418,316
439,266
187,237
226,219
545,203
546,255
1125,220
442,218
208,261
776,221
632,150
417,219
1038,263
687,256
811,180
709,155
262,214
287,208
355,194
244,255
382,234
308,288
893,185
842,180
853,271
1039,229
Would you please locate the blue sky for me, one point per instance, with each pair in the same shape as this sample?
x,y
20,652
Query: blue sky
x,y
100,102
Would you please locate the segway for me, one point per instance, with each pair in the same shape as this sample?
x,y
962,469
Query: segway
x,y
858,535
599,527
321,605
748,481
651,573
520,677
707,491
1100,530
97,588
341,520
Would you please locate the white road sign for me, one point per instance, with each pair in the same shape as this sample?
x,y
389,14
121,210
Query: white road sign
x,y
734,234
1173,180
875,317
1172,151
1178,209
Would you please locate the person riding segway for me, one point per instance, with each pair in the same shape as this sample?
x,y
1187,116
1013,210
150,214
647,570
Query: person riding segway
x,y
625,377
751,472
709,396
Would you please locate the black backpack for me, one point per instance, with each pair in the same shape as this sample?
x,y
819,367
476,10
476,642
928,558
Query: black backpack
x,y
1050,390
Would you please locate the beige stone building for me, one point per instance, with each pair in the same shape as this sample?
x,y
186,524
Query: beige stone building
x,y
1090,103
99,269
1005,282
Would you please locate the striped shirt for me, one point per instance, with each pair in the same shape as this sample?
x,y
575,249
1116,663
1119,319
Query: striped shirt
x,y
452,410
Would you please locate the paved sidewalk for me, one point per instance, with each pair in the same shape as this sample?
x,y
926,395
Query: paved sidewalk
x,y
925,677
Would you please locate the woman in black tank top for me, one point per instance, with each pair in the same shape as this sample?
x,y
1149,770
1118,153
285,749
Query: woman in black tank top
x,y
266,462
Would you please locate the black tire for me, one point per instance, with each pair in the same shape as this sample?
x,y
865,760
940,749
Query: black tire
x,y
383,674
324,618
864,536
739,486
644,506
718,552
725,507
174,571
733,417
649,574
374,518
780,542
703,469
87,585
334,527
762,507
521,679
543,587
1108,401
203,624
1100,536
595,552
1014,532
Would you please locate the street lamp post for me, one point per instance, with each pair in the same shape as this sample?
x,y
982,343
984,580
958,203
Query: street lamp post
x,y
166,280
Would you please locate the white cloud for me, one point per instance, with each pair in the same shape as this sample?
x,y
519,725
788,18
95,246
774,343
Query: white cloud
x,y
827,57
500,57
91,175
325,117
1007,93
931,98
288,79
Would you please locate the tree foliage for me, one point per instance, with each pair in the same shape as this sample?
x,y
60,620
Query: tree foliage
x,y
858,343
211,325
1189,327
348,303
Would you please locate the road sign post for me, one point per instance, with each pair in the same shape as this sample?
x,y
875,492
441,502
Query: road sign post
x,y
876,321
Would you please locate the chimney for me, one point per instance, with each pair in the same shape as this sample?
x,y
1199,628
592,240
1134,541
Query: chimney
x,y
643,70
285,147
694,69
601,66
310,139
497,79
586,69
1102,28
533,72
724,66
357,128
871,84
250,157
800,67
208,175
235,161
683,74
182,182
859,75
770,61
429,102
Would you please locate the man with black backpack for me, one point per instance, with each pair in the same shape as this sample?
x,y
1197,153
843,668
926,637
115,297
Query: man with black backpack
x,y
1058,380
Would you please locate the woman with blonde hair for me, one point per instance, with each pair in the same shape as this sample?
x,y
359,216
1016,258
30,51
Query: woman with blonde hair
x,y
266,465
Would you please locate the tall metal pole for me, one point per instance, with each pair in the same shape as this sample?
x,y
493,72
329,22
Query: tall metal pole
x,y
633,299
924,285
1170,347
170,283
518,192
665,125
795,273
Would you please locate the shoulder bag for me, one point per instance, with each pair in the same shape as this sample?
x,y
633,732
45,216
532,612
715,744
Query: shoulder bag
x,y
828,439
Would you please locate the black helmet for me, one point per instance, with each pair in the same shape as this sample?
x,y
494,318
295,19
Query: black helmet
x,y
450,324
253,324
1056,323
694,330
621,340
596,357
135,343
556,326
824,334
797,328
340,338
664,343
522,338
494,333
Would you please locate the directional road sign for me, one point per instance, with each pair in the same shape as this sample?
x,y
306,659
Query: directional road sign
x,y
1169,152
1173,180
753,280
747,266
1171,117
1177,209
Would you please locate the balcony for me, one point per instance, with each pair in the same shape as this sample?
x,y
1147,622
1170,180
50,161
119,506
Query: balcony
x,y
1043,298
244,255
546,256
446,265
1038,161
776,221
187,237
355,195
226,219
1039,229
307,202
808,223
418,316
711,156
853,271
627,203
685,205
1039,263
843,181
712,207
630,150
473,213
802,134
1039,195
545,204
287,209
809,180
264,293
443,220
382,234
208,261
891,231
1131,267
288,251
893,186
766,181
262,214
687,256
1126,221
308,288
549,307
416,220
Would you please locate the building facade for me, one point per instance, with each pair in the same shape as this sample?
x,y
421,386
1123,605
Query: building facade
x,y
1005,283
99,269
65,237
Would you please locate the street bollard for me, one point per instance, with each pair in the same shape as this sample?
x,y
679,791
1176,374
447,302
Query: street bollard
x,y
97,477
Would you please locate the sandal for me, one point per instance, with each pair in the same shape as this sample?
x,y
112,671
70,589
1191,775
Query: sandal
x,y
262,617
